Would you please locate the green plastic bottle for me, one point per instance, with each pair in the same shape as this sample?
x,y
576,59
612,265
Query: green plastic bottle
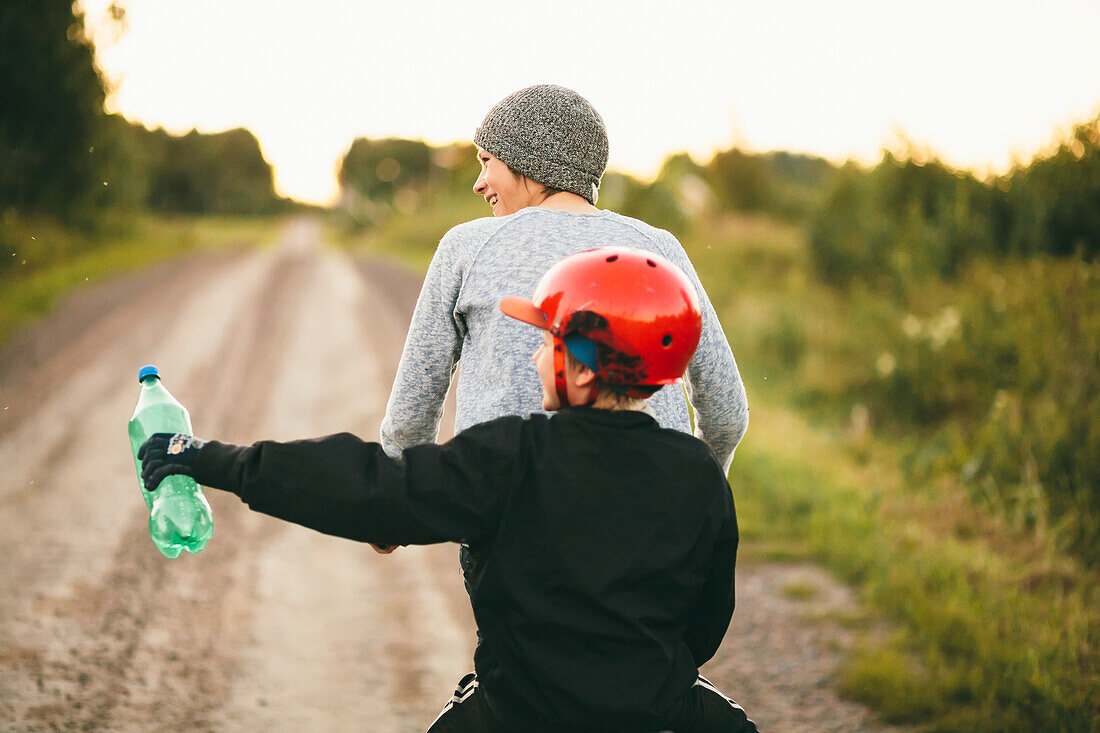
x,y
179,515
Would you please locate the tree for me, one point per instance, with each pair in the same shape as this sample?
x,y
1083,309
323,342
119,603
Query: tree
x,y
221,173
378,169
53,98
1056,200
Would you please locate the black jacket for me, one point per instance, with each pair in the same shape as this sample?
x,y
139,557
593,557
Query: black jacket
x,y
603,548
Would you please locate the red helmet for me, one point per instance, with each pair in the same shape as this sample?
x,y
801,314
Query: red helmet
x,y
638,305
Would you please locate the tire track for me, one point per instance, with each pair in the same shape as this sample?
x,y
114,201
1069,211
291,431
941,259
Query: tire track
x,y
228,390
91,633
369,637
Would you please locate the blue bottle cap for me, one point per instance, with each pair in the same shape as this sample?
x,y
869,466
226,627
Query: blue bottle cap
x,y
148,371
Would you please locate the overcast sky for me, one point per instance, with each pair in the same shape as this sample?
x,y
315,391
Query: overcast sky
x,y
978,81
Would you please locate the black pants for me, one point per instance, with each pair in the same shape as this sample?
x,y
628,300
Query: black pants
x,y
704,710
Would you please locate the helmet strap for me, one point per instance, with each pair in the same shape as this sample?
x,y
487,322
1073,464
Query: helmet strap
x,y
561,386
559,373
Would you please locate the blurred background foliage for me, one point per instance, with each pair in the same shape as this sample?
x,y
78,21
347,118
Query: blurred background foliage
x,y
380,178
85,194
62,155
53,98
151,170
985,338
65,160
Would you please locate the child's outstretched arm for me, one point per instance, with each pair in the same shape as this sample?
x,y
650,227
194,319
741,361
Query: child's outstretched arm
x,y
343,486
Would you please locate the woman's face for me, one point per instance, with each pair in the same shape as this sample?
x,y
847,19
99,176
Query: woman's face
x,y
505,191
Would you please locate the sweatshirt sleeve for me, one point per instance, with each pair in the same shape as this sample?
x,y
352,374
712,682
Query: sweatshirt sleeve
x,y
431,353
712,381
343,486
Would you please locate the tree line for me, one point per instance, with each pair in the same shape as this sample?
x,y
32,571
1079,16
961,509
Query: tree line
x,y
62,155
380,177
884,226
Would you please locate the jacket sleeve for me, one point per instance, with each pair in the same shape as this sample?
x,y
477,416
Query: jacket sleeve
x,y
713,382
431,353
343,486
715,608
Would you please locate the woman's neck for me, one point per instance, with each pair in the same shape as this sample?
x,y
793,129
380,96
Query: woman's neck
x,y
566,201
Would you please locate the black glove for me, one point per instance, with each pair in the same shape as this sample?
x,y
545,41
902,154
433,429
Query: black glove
x,y
167,454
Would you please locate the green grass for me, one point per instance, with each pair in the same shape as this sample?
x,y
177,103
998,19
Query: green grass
x,y
49,261
993,631
799,591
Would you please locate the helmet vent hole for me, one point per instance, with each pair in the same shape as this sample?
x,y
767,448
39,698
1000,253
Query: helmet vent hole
x,y
651,263
612,258
666,341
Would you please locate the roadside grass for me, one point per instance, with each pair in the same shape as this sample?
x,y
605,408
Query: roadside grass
x,y
48,261
799,591
410,237
993,632
996,629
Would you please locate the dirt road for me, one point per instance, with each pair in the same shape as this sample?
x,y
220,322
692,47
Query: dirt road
x,y
272,627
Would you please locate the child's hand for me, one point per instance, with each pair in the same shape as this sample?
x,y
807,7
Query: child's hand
x,y
385,549
167,454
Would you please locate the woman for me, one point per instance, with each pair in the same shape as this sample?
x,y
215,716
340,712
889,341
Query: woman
x,y
543,151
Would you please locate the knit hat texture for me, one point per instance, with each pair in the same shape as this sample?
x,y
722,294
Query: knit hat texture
x,y
550,134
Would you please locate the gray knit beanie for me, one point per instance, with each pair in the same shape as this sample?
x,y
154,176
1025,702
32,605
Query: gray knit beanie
x,y
550,134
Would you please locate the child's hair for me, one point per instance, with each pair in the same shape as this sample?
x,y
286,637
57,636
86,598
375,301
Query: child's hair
x,y
608,392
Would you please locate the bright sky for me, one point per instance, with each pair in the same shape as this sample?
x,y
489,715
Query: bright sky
x,y
977,81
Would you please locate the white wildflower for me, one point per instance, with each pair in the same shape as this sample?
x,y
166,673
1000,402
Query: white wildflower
x,y
910,325
886,364
944,328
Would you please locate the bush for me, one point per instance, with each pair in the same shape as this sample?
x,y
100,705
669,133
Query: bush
x,y
222,173
657,203
998,377
900,223
992,352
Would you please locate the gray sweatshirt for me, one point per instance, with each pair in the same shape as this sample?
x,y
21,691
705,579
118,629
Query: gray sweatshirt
x,y
457,317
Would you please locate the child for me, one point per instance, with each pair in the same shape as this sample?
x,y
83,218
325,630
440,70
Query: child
x,y
603,546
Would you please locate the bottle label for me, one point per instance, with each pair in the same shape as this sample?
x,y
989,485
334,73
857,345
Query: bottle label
x,y
180,442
